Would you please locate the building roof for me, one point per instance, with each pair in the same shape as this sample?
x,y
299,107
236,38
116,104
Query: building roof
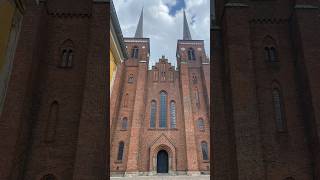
x,y
116,25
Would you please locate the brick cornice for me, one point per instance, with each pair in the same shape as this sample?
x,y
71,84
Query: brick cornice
x,y
268,21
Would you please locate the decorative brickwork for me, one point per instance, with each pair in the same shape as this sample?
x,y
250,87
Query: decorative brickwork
x,y
265,62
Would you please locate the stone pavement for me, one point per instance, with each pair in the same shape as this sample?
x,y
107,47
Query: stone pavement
x,y
199,177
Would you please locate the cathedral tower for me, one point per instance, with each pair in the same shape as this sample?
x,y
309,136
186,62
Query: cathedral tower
x,y
130,112
194,74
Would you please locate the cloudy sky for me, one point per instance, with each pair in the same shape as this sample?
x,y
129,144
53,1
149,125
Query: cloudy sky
x,y
163,23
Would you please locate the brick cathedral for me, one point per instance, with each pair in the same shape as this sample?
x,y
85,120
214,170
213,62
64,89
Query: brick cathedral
x,y
160,117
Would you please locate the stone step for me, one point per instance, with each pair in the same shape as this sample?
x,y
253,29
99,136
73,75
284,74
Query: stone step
x,y
198,177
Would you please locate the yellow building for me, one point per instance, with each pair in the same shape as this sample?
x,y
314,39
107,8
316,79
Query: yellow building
x,y
117,48
10,25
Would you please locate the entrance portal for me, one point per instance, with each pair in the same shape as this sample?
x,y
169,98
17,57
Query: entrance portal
x,y
162,162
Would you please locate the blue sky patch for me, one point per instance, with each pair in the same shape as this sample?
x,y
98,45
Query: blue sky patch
x,y
180,4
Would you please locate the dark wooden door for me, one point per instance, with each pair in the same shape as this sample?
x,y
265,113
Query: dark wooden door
x,y
162,162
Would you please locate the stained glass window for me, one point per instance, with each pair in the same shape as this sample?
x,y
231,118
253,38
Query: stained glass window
x,y
163,109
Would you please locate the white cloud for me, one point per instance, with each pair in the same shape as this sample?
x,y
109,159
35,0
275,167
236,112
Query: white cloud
x,y
162,29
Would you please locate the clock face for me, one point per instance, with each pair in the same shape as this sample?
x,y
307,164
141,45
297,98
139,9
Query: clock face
x,y
143,47
199,49
183,49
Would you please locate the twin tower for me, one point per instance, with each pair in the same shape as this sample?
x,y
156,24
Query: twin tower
x,y
160,117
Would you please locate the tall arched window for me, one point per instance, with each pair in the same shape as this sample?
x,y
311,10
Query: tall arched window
x,y
270,54
273,54
153,111
191,55
124,125
163,109
52,122
204,148
173,123
278,110
67,54
135,53
48,177
120,151
201,124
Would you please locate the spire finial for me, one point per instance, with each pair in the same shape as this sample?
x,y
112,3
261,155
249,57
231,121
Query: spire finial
x,y
139,31
186,31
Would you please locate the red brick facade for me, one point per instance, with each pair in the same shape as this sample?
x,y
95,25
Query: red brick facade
x,y
247,141
54,117
187,87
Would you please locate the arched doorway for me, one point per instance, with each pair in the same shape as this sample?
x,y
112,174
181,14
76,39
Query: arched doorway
x,y
162,162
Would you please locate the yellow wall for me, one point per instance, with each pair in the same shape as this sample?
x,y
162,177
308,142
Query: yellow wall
x,y
6,15
113,66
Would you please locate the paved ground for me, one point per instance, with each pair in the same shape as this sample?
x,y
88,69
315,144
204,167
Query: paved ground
x,y
201,177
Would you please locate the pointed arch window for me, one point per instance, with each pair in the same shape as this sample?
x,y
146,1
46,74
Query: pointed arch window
x,y
67,58
135,52
48,177
278,110
153,111
120,151
271,54
204,148
67,54
201,124
52,122
163,110
130,79
191,54
124,125
173,123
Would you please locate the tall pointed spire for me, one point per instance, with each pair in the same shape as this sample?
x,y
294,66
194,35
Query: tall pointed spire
x,y
139,31
186,31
